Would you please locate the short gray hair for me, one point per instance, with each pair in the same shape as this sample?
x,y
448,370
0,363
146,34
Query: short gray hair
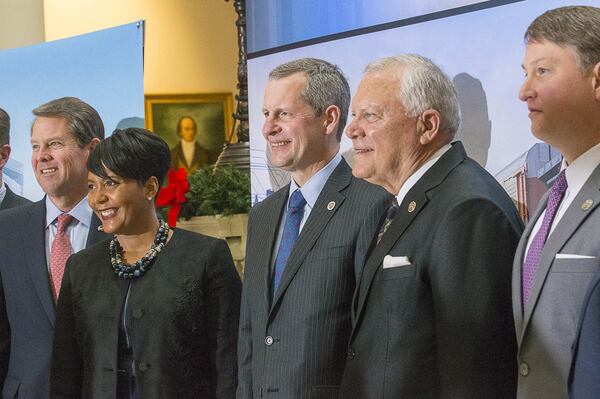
x,y
4,127
83,121
423,86
325,85
577,27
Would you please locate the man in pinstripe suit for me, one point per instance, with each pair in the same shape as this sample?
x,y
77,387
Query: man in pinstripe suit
x,y
295,317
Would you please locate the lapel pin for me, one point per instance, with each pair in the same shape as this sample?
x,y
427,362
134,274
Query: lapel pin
x,y
587,204
412,206
331,205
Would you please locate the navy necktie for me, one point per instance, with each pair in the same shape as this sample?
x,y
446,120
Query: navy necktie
x,y
291,230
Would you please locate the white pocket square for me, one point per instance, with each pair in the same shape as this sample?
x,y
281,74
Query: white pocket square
x,y
395,261
574,256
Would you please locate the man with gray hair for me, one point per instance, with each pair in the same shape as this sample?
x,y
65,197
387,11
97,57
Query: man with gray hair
x,y
305,241
36,240
8,199
560,251
432,311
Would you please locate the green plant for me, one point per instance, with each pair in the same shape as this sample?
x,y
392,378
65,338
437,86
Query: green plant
x,y
225,191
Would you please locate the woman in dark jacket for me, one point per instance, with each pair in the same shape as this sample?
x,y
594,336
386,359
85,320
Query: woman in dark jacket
x,y
152,313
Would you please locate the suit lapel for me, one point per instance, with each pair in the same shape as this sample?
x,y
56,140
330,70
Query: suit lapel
x,y
420,195
315,224
94,235
567,226
267,236
517,295
34,233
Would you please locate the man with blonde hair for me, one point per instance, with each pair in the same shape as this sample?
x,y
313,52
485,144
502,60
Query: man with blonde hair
x,y
560,251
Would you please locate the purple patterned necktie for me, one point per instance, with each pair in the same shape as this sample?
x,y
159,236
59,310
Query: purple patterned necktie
x,y
291,230
537,244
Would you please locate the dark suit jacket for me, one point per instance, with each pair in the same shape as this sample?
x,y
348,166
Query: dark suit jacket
x,y
184,332
441,326
584,379
12,200
295,347
26,303
201,157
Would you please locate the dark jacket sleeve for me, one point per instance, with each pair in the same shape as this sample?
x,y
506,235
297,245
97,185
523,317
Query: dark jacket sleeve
x,y
476,342
66,365
244,389
4,337
223,307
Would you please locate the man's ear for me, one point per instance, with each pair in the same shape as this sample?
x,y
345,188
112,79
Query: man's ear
x,y
596,81
332,119
4,155
428,126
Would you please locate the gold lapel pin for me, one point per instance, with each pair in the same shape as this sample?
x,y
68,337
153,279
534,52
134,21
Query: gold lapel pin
x,y
587,204
331,205
412,206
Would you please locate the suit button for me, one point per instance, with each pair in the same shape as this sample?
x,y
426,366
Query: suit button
x,y
138,313
143,366
351,354
269,340
524,369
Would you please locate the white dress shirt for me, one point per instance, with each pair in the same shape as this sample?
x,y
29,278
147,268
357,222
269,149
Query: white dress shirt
x,y
577,173
415,177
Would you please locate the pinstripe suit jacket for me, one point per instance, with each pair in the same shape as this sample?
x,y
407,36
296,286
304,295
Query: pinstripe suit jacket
x,y
12,200
296,346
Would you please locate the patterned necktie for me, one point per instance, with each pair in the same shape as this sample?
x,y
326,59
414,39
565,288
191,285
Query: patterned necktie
x,y
60,252
389,216
291,230
537,244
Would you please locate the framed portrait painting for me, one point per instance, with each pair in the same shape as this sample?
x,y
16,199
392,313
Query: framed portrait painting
x,y
195,126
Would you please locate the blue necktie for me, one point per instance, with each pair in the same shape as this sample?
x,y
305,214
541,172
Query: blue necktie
x,y
291,229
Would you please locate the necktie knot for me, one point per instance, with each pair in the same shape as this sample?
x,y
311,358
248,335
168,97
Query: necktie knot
x,y
297,201
64,220
558,187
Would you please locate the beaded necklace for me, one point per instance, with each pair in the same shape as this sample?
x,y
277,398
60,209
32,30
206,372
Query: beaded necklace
x,y
144,264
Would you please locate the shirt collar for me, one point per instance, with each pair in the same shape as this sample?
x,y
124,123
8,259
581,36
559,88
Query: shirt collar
x,y
2,191
313,186
81,212
415,177
581,168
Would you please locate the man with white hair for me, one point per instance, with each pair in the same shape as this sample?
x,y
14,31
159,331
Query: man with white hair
x,y
432,311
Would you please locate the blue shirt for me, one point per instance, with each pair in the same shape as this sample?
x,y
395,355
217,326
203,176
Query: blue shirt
x,y
310,191
78,229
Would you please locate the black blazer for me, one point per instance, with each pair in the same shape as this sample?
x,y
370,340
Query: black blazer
x,y
295,346
185,317
439,326
26,302
12,200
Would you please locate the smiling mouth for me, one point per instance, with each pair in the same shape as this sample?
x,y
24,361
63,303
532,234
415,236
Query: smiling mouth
x,y
279,143
362,150
108,213
48,171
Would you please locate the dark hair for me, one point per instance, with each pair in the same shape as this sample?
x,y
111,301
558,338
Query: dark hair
x,y
325,85
577,27
4,127
181,120
83,120
132,153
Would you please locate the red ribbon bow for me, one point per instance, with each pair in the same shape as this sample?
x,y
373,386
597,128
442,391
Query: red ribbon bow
x,y
174,194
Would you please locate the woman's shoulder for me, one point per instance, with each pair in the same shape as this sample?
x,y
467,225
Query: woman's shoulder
x,y
186,238
97,251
